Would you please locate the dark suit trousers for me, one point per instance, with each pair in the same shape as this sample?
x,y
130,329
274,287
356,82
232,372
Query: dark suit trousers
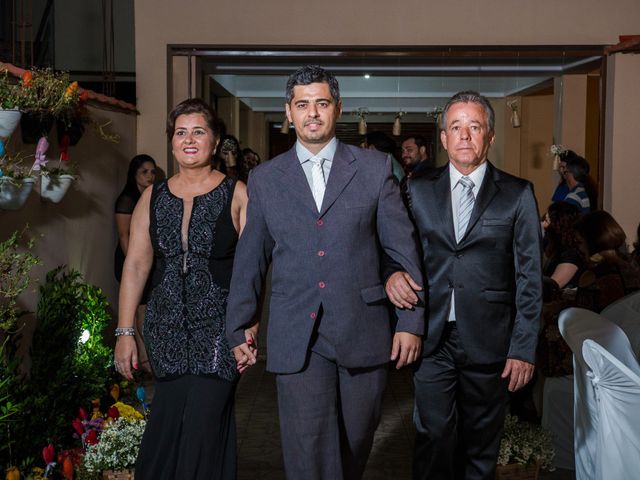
x,y
459,414
328,416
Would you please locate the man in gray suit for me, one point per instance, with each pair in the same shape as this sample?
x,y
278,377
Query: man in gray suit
x,y
480,233
322,214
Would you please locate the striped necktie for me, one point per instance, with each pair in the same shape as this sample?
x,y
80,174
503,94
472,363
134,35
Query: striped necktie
x,y
465,207
317,179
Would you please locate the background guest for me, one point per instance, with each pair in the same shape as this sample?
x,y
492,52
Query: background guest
x,y
575,171
141,174
610,274
383,143
564,261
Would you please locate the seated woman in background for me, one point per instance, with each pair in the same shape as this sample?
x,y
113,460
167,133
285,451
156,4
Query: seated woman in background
x,y
141,174
610,274
564,262
575,172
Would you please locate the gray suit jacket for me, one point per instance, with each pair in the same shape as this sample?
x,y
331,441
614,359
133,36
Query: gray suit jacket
x,y
495,270
329,258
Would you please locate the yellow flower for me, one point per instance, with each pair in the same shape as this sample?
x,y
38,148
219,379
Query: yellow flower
x,y
13,474
127,411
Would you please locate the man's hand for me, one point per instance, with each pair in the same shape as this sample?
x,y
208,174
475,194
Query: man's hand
x,y
406,348
246,354
401,288
519,373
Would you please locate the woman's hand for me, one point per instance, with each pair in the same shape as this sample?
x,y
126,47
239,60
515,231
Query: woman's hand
x,y
247,353
125,358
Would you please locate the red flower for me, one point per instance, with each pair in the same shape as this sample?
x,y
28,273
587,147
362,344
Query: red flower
x,y
83,413
49,453
91,438
84,96
67,469
113,413
78,426
26,78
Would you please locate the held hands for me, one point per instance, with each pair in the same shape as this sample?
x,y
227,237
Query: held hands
x,y
246,354
519,373
125,357
401,288
406,348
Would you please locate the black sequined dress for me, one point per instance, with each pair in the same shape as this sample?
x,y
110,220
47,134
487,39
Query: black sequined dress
x,y
191,431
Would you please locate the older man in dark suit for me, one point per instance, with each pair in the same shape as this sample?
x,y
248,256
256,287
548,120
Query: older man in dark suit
x,y
480,234
322,214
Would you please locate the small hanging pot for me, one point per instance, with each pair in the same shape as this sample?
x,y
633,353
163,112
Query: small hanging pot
x,y
14,193
53,188
9,120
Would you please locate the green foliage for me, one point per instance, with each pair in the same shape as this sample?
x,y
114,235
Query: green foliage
x,y
16,262
65,373
9,91
10,406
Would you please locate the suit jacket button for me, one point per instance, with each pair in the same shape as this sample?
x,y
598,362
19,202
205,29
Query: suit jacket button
x,y
312,315
321,253
319,223
459,255
321,284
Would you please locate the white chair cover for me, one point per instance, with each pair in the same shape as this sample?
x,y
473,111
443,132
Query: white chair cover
x,y
626,314
576,326
617,391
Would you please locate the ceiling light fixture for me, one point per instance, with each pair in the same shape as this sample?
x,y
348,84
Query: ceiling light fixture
x,y
367,76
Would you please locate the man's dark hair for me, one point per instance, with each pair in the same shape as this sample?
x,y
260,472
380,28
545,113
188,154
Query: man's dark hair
x,y
381,141
419,140
577,165
470,96
312,74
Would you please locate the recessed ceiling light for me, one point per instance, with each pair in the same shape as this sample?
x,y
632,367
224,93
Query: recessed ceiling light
x,y
366,75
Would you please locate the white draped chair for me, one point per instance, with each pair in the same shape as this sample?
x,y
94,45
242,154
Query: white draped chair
x,y
617,392
596,390
626,314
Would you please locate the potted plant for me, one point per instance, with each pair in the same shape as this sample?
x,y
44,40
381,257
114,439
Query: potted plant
x,y
525,448
9,105
16,182
115,453
54,181
44,96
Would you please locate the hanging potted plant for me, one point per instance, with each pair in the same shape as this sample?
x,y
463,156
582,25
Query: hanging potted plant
x,y
9,105
16,182
44,96
54,182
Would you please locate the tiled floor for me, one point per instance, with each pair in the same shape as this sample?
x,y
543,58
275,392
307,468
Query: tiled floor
x,y
259,455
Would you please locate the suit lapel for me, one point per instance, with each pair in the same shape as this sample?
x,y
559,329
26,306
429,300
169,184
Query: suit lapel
x,y
342,171
295,181
487,191
442,191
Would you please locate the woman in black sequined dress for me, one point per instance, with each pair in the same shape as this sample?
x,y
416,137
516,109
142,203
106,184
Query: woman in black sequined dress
x,y
190,225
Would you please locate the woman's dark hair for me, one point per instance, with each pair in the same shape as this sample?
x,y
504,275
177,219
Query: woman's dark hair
x,y
600,232
131,187
561,235
194,105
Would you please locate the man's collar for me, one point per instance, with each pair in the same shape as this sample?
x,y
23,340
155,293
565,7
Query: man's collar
x,y
327,152
476,176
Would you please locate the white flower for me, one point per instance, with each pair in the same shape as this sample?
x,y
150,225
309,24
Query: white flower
x,y
525,443
557,149
117,446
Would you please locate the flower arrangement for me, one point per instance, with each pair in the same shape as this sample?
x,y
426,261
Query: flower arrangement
x,y
557,150
43,91
117,446
525,443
